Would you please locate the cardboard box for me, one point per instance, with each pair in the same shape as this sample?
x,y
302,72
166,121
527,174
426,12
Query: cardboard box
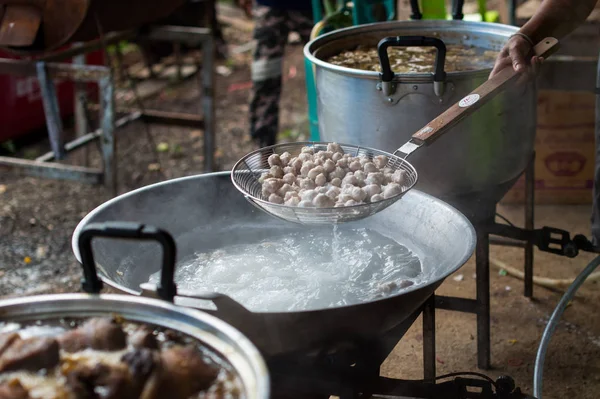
x,y
565,150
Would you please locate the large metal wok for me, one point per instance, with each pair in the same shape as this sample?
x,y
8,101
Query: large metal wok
x,y
206,212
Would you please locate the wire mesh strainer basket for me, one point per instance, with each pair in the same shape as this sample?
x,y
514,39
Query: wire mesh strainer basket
x,y
248,170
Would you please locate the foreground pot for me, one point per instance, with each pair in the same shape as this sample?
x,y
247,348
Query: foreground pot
x,y
206,212
475,163
215,335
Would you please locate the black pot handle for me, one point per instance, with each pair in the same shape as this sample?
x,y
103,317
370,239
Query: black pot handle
x,y
387,75
91,283
457,9
416,11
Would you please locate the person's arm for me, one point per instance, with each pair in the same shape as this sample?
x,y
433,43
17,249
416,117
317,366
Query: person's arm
x,y
245,5
555,18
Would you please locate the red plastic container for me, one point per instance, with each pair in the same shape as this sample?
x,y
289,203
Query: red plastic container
x,y
21,108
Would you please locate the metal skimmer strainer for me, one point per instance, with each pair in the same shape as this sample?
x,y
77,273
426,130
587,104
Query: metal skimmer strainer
x,y
248,170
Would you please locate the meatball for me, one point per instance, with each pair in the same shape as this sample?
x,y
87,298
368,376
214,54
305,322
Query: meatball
x,y
272,185
314,172
320,180
372,189
399,177
350,180
355,165
391,190
284,190
380,161
375,178
308,195
292,201
370,167
329,166
305,157
289,178
307,184
285,158
275,199
377,198
335,148
323,201
274,160
358,194
305,204
276,171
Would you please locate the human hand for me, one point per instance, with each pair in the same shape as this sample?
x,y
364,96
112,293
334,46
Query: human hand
x,y
245,5
518,54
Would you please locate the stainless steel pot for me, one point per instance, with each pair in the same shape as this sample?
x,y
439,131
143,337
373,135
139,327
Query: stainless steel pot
x,y
479,158
216,335
206,212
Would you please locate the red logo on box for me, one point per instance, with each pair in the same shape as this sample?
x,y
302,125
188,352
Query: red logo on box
x,y
565,163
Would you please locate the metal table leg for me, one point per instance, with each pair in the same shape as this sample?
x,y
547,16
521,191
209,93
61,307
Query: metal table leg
x,y
51,110
482,259
107,143
81,121
529,224
208,102
429,340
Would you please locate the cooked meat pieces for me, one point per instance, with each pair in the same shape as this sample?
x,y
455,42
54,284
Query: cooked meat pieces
x,y
98,333
7,340
143,338
30,354
13,390
141,363
102,382
184,372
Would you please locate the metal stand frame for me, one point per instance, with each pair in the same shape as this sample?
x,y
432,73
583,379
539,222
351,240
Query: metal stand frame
x,y
480,306
53,67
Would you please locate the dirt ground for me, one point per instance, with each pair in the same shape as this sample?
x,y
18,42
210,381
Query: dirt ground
x,y
37,218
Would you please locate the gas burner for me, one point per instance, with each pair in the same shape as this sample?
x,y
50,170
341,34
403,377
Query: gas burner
x,y
351,370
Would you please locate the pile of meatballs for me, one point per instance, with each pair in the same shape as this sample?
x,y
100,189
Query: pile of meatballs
x,y
328,179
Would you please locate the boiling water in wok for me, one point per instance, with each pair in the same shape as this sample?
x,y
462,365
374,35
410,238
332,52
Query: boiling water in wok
x,y
302,269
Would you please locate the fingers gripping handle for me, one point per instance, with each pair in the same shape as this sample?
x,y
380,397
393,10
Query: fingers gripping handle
x,y
478,97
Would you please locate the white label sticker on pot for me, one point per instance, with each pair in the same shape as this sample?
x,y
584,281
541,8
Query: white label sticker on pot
x,y
468,100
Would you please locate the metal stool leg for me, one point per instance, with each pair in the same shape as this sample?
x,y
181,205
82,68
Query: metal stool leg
x,y
81,122
482,259
208,101
107,143
529,224
52,111
429,340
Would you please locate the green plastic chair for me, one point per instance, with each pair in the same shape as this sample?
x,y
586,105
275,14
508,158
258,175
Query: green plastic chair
x,y
338,15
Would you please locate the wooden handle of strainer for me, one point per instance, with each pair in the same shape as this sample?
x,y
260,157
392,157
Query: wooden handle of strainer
x,y
478,97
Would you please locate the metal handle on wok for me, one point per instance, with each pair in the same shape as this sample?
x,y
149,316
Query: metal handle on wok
x,y
387,75
166,288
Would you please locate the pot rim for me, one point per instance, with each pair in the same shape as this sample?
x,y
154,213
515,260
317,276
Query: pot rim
x,y
499,30
470,247
220,337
